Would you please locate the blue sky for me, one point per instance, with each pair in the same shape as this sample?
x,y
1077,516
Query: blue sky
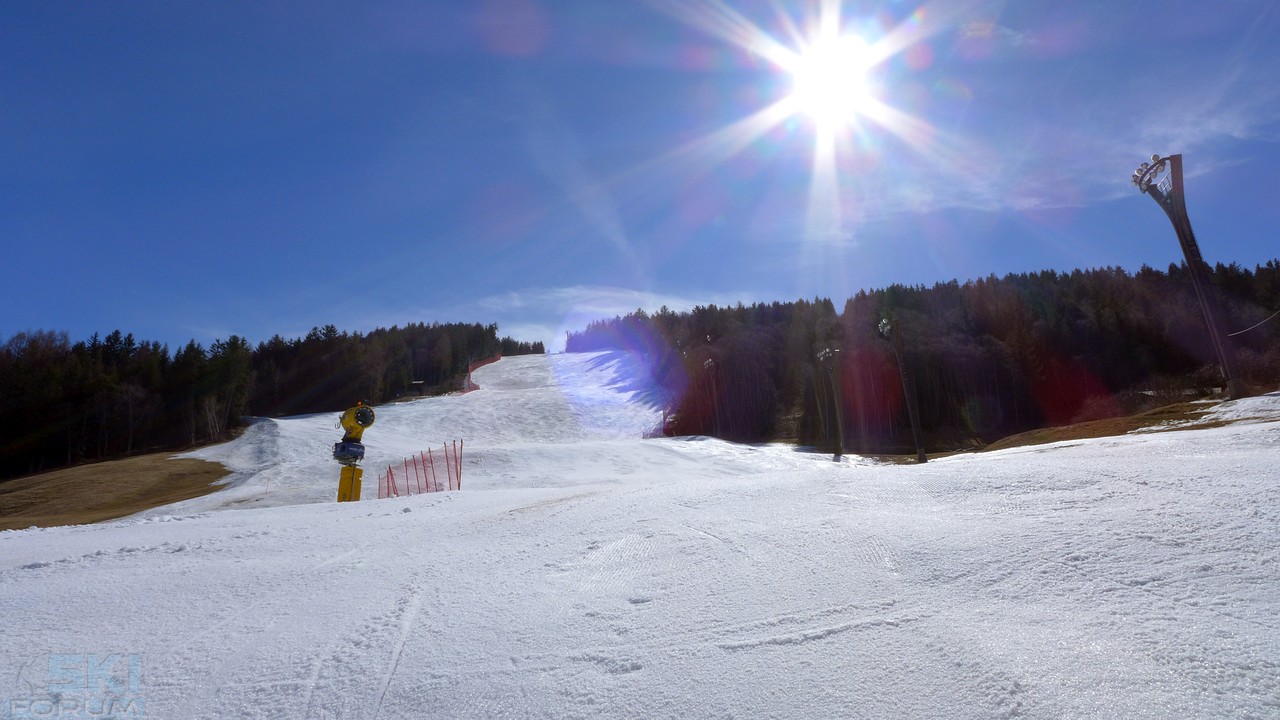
x,y
191,170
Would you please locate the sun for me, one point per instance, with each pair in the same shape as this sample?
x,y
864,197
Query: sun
x,y
829,81
825,68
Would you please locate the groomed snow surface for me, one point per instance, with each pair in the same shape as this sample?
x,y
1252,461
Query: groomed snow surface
x,y
583,572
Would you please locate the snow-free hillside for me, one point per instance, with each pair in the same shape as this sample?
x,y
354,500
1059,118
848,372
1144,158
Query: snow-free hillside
x,y
583,572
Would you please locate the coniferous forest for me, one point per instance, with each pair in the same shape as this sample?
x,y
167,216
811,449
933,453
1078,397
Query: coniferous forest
x,y
986,359
64,403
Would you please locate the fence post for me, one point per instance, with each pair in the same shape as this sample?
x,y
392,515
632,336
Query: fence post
x,y
448,464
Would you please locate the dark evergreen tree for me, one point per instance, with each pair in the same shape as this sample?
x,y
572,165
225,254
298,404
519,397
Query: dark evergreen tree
x,y
988,358
61,404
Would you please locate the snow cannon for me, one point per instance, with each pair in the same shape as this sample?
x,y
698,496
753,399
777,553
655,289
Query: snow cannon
x,y
355,420
350,451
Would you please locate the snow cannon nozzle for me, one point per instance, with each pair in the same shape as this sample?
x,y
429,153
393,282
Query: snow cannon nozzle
x,y
355,421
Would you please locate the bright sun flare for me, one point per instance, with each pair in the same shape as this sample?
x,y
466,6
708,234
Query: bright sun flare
x,y
829,81
835,81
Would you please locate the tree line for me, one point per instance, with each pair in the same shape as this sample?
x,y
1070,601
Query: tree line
x,y
987,358
63,403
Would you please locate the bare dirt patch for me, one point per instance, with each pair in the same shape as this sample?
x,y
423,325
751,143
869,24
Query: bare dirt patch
x,y
105,491
1180,416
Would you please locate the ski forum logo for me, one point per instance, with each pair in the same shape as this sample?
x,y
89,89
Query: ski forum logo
x,y
81,686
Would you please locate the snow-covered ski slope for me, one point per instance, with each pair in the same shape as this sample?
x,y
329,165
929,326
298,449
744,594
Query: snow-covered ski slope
x,y
585,573
536,422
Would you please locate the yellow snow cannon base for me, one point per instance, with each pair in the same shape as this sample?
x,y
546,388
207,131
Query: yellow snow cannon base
x,y
349,484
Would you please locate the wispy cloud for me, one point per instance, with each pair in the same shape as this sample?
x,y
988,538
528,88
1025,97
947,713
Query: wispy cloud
x,y
548,313
990,30
1069,129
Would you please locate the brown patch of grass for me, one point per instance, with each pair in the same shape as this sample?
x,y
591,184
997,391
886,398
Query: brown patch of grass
x,y
104,491
1185,415
1179,416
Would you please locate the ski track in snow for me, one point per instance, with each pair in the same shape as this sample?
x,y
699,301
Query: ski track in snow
x,y
584,572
